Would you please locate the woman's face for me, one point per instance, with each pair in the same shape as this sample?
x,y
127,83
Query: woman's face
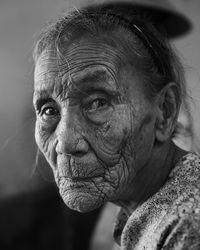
x,y
94,124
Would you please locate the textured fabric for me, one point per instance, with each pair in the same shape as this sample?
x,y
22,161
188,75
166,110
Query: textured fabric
x,y
170,219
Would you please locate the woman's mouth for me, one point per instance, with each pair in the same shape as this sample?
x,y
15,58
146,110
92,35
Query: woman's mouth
x,y
80,179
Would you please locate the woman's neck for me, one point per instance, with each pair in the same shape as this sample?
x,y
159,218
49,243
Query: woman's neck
x,y
153,175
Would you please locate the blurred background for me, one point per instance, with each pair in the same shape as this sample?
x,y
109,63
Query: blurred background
x,y
32,215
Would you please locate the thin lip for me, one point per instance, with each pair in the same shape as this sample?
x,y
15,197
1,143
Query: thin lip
x,y
80,179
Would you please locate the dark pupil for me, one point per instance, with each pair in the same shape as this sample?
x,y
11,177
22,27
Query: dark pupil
x,y
101,103
50,111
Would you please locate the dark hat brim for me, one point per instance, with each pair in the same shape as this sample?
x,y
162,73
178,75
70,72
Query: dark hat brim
x,y
169,21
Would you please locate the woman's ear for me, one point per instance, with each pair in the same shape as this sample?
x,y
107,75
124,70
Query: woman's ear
x,y
168,104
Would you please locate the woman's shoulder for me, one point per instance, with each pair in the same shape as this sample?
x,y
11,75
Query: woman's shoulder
x,y
179,227
184,180
182,189
187,166
170,215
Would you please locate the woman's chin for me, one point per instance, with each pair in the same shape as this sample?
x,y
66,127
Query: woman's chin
x,y
81,201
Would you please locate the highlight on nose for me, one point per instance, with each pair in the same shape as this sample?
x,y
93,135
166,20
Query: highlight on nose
x,y
72,144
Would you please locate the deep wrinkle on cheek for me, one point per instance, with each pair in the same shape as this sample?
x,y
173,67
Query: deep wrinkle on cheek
x,y
41,137
108,141
47,144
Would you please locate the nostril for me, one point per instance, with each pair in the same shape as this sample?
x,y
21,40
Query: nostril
x,y
79,153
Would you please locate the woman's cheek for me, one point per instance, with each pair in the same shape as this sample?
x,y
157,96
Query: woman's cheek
x,y
110,139
45,141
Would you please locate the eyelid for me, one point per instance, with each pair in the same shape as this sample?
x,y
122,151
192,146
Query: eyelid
x,y
41,102
101,91
95,95
90,99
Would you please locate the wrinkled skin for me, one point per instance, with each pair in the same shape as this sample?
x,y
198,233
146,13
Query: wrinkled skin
x,y
94,124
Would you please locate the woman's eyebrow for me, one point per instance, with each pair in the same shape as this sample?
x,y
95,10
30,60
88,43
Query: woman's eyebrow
x,y
88,81
97,78
40,96
94,76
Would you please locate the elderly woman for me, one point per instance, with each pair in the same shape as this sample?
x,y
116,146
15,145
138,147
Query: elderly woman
x,y
107,95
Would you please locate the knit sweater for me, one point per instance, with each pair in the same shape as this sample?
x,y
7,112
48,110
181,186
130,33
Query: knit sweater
x,y
170,219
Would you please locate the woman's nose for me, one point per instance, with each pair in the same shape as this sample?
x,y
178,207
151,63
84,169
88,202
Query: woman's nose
x,y
70,137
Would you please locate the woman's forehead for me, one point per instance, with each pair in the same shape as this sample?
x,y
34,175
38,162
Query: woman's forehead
x,y
89,58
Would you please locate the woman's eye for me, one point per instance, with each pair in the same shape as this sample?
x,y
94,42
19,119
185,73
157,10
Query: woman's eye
x,y
97,104
49,112
97,108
